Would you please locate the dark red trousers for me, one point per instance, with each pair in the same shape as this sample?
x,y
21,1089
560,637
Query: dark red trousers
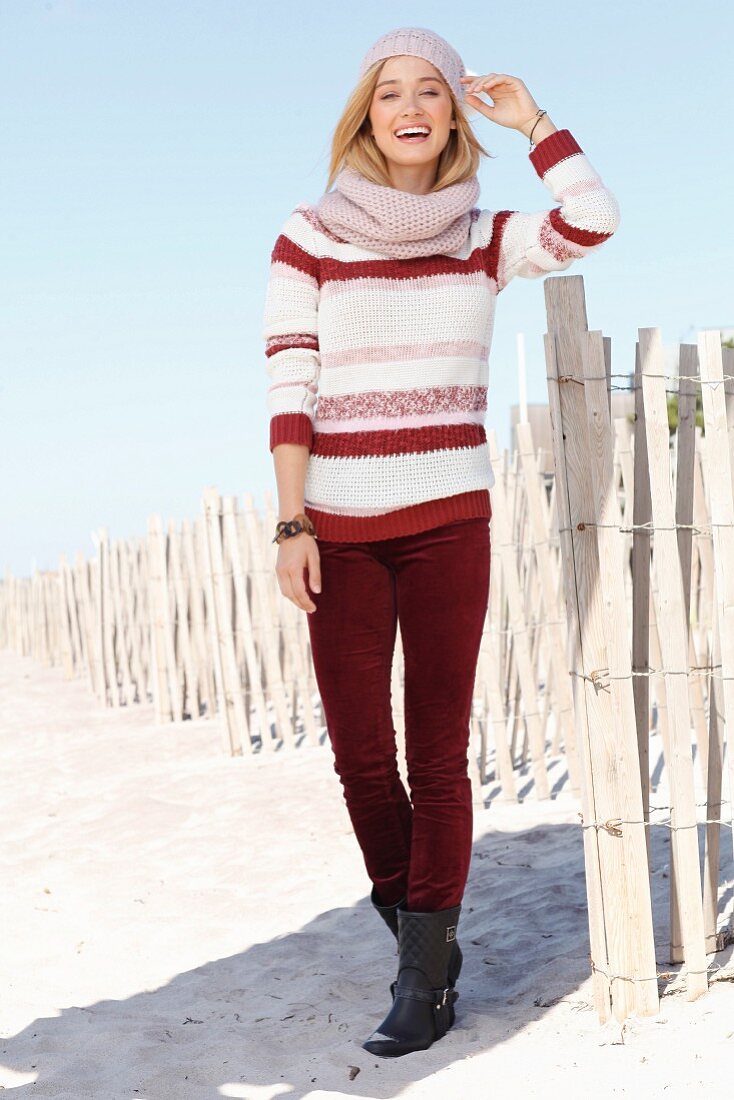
x,y
436,585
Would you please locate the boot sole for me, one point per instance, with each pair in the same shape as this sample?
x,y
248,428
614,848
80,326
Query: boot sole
x,y
396,1048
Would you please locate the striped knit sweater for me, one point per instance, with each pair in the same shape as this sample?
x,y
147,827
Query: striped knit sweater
x,y
380,366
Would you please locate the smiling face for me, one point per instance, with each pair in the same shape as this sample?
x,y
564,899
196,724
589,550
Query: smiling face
x,y
411,93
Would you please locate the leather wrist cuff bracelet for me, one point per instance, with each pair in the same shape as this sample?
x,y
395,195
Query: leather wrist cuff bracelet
x,y
288,528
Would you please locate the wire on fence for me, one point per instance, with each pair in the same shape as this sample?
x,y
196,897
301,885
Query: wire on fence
x,y
691,380
613,825
601,677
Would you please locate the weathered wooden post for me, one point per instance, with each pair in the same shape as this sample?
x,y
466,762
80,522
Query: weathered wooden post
x,y
556,626
615,850
229,688
673,634
505,555
716,412
166,682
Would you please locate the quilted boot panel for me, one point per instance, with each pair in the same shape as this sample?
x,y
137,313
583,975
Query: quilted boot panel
x,y
426,942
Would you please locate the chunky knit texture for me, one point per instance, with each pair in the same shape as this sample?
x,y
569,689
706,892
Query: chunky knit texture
x,y
380,366
397,223
420,42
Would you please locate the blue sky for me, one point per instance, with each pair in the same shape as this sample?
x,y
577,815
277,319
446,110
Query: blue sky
x,y
150,151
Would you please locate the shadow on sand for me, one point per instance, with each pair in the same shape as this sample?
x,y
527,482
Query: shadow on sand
x,y
287,1017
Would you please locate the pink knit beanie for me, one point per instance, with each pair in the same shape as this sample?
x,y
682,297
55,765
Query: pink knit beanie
x,y
420,42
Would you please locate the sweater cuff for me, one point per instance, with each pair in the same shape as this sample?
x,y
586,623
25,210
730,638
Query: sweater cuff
x,y
553,149
291,428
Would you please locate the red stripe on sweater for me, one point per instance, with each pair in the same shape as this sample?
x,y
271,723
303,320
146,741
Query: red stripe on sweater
x,y
484,258
291,428
398,441
585,237
475,503
287,251
492,250
418,267
552,150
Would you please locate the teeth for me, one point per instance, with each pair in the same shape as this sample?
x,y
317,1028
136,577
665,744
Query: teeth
x,y
413,130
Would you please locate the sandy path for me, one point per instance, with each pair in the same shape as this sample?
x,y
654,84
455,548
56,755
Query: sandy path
x,y
179,924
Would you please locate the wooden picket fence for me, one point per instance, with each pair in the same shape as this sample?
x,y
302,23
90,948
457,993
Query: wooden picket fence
x,y
610,620
646,536
192,620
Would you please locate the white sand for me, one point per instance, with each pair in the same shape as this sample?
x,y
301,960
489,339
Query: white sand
x,y
179,924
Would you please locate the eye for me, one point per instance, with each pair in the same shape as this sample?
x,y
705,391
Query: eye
x,y
428,91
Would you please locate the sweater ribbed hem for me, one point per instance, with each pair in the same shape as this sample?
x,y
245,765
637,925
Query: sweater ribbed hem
x,y
291,428
403,521
553,149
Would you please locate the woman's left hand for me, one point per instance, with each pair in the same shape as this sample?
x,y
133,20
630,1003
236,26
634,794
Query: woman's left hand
x,y
512,104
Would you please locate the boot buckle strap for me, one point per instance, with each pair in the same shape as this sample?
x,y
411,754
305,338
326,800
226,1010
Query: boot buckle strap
x,y
437,997
428,995
450,996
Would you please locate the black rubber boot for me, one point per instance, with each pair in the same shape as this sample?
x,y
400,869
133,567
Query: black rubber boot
x,y
389,914
423,1005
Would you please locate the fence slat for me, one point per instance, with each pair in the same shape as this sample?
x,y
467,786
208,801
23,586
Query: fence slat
x,y
555,621
629,923
229,690
673,637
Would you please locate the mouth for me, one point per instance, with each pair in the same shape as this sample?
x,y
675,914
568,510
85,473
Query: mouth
x,y
412,135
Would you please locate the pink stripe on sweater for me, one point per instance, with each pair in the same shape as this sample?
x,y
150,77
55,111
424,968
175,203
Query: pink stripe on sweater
x,y
557,246
400,403
381,423
386,353
282,270
583,187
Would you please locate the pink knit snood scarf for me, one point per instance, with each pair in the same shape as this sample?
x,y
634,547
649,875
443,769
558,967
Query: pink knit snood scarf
x,y
398,223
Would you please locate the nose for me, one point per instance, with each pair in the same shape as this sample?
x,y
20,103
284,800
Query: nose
x,y
411,98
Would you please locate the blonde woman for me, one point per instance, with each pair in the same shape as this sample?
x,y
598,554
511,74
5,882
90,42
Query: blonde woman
x,y
381,304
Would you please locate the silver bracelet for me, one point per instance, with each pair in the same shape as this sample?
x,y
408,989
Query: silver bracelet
x,y
540,115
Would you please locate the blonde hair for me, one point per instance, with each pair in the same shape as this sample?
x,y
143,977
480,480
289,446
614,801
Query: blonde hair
x,y
353,147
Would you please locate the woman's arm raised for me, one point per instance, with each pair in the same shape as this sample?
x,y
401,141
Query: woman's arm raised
x,y
533,244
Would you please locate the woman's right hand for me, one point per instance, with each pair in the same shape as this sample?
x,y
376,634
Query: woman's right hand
x,y
296,557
